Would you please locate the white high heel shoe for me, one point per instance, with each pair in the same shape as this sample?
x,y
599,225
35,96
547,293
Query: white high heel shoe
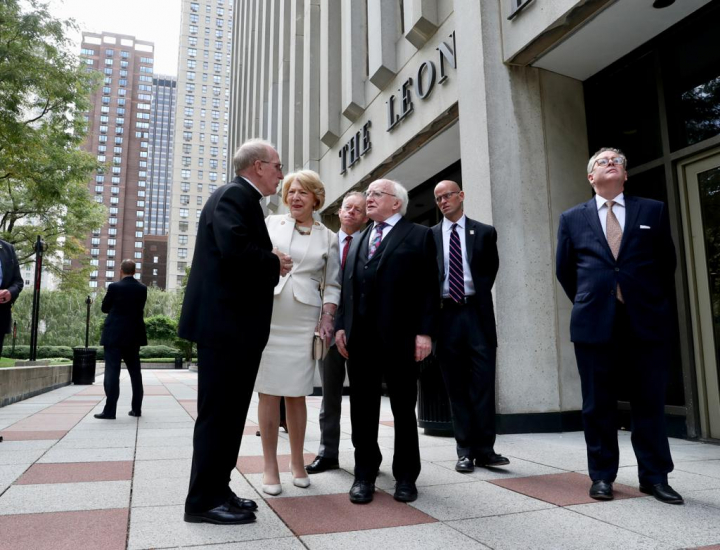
x,y
302,482
272,490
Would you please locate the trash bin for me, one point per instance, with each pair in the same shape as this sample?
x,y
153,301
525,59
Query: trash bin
x,y
178,362
83,372
434,413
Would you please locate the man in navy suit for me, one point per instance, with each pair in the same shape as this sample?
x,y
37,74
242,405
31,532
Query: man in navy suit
x,y
11,284
467,263
615,261
385,322
122,336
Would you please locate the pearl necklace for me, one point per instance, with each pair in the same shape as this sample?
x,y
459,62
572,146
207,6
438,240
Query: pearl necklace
x,y
304,231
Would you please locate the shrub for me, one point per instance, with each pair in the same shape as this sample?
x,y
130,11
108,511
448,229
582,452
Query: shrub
x,y
161,328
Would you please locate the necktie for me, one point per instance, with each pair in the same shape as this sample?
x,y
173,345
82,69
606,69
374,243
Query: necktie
x,y
348,240
614,237
377,239
456,278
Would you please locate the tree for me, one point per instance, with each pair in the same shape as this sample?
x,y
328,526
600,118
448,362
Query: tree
x,y
43,174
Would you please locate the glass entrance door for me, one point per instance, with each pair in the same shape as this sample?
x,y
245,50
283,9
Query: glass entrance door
x,y
700,181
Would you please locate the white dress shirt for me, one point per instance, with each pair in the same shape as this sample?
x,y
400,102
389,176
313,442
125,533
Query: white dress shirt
x,y
446,230
618,210
391,221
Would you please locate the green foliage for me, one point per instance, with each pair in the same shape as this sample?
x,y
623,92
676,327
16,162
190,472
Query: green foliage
x,y
185,346
65,352
147,352
44,90
161,328
62,316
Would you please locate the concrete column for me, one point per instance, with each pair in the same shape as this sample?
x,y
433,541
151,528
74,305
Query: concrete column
x,y
283,77
236,73
249,72
311,86
421,20
265,47
505,171
273,62
330,71
354,29
256,90
297,43
382,35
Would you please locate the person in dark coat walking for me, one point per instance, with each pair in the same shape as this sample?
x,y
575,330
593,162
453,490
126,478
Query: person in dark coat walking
x,y
11,284
122,336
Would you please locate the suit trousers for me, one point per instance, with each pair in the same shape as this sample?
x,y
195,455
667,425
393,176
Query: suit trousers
x,y
332,374
225,386
642,365
367,366
113,358
467,363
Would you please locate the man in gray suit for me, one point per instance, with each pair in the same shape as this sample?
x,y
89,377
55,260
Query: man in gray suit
x,y
353,218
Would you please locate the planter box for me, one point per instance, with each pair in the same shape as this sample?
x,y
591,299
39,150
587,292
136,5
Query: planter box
x,y
18,383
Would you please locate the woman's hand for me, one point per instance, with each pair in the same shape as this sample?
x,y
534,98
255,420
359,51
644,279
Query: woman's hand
x,y
327,328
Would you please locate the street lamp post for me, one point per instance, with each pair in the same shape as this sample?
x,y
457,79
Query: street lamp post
x,y
39,250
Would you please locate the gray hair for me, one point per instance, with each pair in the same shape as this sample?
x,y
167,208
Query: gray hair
x,y
402,194
250,151
591,162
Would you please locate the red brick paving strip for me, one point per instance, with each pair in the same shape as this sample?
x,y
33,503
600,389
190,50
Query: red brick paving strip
x,y
713,547
87,530
77,472
335,514
33,435
254,464
561,489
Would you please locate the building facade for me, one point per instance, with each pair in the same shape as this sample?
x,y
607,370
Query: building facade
x,y
119,135
509,98
200,143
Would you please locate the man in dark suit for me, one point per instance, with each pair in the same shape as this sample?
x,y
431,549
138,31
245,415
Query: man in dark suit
x,y
11,284
467,341
385,322
615,261
227,310
353,217
122,336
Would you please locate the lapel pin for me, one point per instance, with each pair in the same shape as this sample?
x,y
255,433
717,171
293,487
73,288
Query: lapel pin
x,y
472,231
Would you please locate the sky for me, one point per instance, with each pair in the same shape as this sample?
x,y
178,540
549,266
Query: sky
x,y
156,21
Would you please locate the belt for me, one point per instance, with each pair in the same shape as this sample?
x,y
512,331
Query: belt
x,y
449,302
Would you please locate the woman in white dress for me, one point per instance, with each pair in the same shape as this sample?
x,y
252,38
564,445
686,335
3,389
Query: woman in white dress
x,y
287,368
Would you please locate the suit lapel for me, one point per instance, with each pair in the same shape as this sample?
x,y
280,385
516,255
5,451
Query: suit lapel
x,y
284,236
396,236
357,246
591,215
632,209
470,231
437,234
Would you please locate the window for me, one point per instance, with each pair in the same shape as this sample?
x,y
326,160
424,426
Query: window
x,y
112,231
182,266
94,251
111,253
138,255
182,240
185,187
198,201
109,53
184,213
182,252
112,242
183,226
138,244
185,174
93,284
110,263
191,63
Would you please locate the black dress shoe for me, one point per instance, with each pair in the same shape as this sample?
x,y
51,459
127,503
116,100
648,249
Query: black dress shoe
x,y
405,491
492,460
322,464
133,413
663,492
464,465
103,416
601,490
361,492
225,514
243,504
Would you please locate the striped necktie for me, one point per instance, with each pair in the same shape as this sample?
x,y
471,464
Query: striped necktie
x,y
456,277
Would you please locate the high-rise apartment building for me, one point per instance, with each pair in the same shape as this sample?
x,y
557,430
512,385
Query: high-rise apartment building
x,y
119,135
159,181
200,150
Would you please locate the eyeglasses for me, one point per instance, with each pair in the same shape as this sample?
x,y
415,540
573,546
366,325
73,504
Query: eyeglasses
x,y
614,161
446,196
377,194
278,165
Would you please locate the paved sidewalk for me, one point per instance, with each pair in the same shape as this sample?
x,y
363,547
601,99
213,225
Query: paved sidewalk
x,y
70,481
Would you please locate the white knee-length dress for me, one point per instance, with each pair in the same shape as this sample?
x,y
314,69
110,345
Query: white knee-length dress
x,y
287,367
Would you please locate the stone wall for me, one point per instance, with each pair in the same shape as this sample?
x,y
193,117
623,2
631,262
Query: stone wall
x,y
18,383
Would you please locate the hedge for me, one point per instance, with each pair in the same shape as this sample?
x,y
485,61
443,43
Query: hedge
x,y
53,352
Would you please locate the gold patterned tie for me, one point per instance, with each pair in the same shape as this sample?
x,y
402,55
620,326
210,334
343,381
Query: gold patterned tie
x,y
614,237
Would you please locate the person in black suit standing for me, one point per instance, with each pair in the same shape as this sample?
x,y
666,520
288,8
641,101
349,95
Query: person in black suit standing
x,y
11,284
467,340
616,263
385,323
227,310
353,217
122,336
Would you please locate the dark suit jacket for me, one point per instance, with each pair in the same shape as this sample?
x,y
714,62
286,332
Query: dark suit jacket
x,y
482,255
124,303
405,296
11,280
229,296
589,273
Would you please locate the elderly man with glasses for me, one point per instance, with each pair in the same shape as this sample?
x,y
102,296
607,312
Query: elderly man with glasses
x,y
384,323
616,263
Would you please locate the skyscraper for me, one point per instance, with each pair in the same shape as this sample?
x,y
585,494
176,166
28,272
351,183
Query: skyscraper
x,y
200,150
119,135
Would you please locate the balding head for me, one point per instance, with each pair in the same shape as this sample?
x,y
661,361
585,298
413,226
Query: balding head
x,y
449,198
